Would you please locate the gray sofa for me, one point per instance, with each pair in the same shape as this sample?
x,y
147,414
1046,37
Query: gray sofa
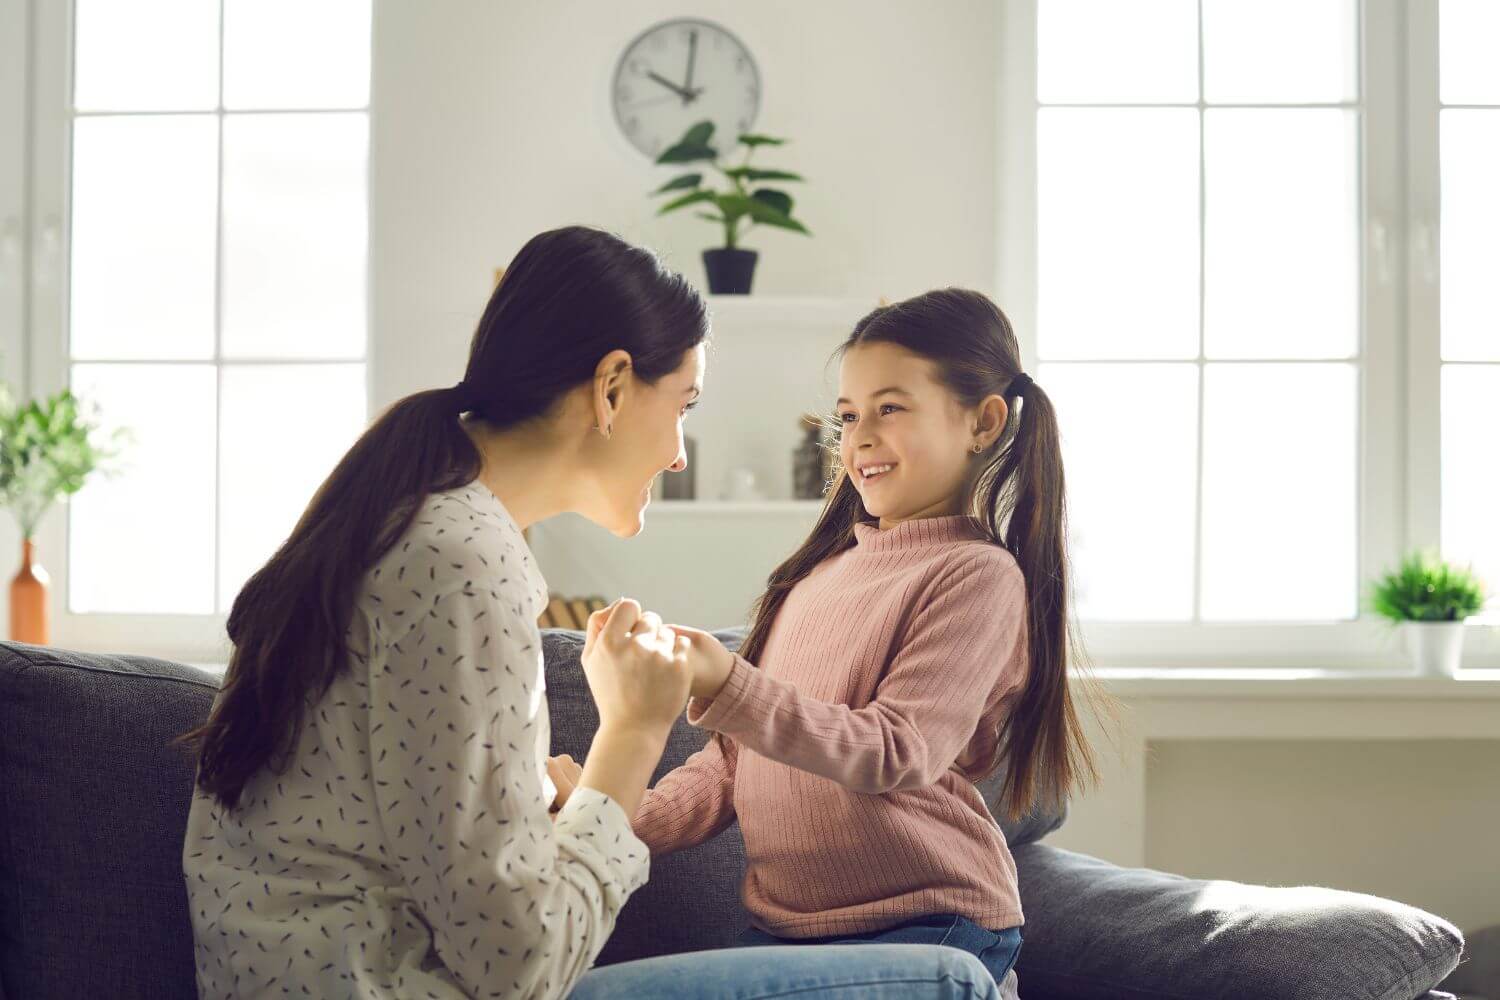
x,y
93,804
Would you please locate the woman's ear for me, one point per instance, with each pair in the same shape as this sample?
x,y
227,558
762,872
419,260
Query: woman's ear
x,y
610,386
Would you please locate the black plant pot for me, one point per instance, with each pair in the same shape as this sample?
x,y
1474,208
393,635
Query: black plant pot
x,y
729,271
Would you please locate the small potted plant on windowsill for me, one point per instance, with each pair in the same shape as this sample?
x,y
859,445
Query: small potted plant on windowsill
x,y
731,268
1429,600
48,449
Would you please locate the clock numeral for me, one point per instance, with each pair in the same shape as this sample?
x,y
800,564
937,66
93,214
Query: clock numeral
x,y
744,124
632,123
739,64
637,67
623,93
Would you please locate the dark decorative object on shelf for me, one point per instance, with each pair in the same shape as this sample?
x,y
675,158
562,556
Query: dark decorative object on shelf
x,y
812,459
730,267
680,485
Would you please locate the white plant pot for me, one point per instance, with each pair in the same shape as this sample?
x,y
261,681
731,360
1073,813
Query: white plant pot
x,y
1435,647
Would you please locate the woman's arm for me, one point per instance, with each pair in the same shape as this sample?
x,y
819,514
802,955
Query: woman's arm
x,y
925,709
692,803
519,905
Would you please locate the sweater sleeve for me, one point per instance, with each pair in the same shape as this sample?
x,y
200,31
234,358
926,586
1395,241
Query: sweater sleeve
x,y
925,708
692,803
519,905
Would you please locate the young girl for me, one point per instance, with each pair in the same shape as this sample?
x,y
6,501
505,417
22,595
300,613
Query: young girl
x,y
914,642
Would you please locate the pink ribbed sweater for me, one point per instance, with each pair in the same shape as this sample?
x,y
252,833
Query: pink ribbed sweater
x,y
853,745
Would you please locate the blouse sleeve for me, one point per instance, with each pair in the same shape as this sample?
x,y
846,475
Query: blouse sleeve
x,y
519,905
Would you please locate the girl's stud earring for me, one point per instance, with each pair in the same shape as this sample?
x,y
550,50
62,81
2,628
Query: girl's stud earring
x,y
978,447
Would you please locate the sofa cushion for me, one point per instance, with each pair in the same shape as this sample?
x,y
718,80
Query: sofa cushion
x,y
692,899
1094,930
93,804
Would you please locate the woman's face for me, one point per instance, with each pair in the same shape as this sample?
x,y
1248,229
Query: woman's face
x,y
893,412
645,442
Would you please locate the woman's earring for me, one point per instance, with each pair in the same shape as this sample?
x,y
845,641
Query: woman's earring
x,y
978,447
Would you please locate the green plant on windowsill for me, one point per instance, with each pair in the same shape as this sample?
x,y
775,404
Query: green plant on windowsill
x,y
1424,588
742,201
48,449
1429,599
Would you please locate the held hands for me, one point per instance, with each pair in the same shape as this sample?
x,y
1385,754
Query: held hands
x,y
707,659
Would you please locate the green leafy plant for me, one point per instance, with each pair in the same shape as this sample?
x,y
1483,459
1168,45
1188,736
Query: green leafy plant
x,y
1424,588
741,201
48,449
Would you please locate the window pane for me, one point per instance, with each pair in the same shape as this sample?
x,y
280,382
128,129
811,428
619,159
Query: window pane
x,y
142,542
1470,242
1281,239
1117,51
1129,436
1295,51
1117,233
1471,473
1280,506
1467,32
146,55
295,221
144,200
281,54
285,428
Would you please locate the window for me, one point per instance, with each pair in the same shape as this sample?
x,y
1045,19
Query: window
x,y
1219,220
216,285
1469,302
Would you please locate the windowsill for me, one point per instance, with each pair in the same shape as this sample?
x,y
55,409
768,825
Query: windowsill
x,y
1294,683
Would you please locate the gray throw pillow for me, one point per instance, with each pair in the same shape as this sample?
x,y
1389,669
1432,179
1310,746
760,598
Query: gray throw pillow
x,y
1094,930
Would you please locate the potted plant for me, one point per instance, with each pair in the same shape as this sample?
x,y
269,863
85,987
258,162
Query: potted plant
x,y
742,201
1429,599
48,449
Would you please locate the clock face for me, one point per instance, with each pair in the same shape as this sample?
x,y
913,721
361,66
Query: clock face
x,y
678,73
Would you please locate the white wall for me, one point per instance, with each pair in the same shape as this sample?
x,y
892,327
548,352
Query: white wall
x,y
491,123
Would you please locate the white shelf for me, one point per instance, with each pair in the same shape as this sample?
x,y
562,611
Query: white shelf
x,y
719,507
788,311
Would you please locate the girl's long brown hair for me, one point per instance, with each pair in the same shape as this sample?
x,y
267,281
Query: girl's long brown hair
x,y
570,297
1016,494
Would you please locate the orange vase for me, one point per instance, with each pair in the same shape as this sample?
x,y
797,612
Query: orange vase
x,y
28,599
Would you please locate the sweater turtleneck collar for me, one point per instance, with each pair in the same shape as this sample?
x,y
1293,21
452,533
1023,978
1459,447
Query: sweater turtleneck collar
x,y
917,533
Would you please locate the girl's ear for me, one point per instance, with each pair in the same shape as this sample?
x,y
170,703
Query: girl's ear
x,y
990,419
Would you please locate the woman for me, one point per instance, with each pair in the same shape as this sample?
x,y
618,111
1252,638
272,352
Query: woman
x,y
372,808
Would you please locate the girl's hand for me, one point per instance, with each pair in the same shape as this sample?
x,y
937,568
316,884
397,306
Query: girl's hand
x,y
564,772
709,660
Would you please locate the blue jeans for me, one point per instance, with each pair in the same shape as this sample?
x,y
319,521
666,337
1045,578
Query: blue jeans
x,y
996,949
836,972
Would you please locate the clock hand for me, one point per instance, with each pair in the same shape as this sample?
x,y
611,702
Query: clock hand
x,y
692,56
685,94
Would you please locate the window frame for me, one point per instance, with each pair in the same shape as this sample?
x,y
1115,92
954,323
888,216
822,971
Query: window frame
x,y
1399,432
192,638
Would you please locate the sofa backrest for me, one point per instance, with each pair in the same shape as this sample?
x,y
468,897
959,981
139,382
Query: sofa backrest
x,y
93,804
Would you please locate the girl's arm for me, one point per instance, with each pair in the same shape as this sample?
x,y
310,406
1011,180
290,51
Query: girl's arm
x,y
925,709
692,804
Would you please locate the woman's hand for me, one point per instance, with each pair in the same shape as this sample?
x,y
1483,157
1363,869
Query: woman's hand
x,y
638,670
564,772
709,660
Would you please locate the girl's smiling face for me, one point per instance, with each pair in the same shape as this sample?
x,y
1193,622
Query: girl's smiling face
x,y
894,414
